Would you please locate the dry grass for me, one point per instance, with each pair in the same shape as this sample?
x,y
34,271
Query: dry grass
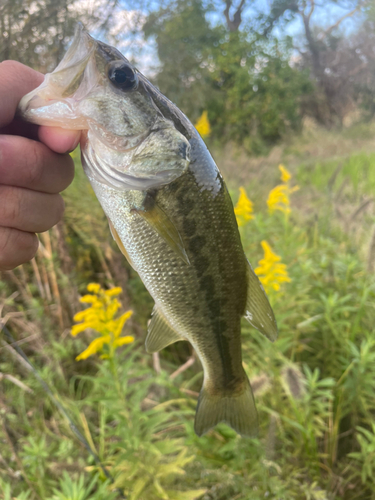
x,y
313,145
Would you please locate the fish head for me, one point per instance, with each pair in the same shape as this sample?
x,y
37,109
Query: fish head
x,y
128,142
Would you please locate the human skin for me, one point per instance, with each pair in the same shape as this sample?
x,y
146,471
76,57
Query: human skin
x,y
34,169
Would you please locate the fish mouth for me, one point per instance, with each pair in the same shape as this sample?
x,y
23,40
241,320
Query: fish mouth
x,y
54,102
124,153
58,100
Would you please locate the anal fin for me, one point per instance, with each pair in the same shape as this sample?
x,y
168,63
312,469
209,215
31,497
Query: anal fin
x,y
258,309
160,333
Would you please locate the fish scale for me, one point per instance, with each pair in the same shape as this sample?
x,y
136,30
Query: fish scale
x,y
170,213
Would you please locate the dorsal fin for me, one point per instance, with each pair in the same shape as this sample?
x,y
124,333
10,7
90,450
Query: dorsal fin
x,y
258,309
160,333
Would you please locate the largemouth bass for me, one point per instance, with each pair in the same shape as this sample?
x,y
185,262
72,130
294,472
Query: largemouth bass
x,y
170,214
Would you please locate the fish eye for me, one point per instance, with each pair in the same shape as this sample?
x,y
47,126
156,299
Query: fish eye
x,y
122,75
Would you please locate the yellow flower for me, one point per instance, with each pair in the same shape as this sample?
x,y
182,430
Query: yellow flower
x,y
101,316
203,125
278,199
128,339
76,329
95,346
93,287
271,271
88,299
112,292
120,322
285,175
279,196
244,208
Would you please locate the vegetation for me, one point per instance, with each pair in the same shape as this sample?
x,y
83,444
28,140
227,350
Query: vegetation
x,y
244,82
254,78
314,386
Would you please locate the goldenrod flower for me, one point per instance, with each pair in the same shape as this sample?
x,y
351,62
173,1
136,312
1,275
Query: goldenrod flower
x,y
285,175
112,292
243,209
279,196
203,125
93,287
278,199
271,271
100,316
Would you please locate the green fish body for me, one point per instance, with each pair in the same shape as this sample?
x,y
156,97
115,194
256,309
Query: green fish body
x,y
170,213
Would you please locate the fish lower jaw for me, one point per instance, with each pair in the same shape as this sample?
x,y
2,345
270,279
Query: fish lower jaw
x,y
42,110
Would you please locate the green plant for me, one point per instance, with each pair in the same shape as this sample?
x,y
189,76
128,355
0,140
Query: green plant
x,y
80,489
366,455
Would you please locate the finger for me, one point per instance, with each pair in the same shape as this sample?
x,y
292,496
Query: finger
x,y
59,139
16,80
31,164
19,127
16,247
29,210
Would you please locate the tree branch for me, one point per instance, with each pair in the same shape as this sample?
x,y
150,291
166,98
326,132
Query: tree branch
x,y
233,24
339,21
311,11
306,17
349,75
228,4
313,47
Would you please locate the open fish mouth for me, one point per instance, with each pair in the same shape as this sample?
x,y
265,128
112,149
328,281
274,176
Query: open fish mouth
x,y
55,101
129,143
70,95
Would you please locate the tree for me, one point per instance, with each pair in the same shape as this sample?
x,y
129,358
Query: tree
x,y
183,39
357,55
319,48
36,32
258,97
252,95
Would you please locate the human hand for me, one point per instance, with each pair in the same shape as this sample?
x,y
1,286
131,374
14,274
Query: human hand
x,y
33,170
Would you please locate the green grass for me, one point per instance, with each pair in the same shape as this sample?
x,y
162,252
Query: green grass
x,y
314,387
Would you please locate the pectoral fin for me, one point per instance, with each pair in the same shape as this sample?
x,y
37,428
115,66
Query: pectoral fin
x,y
160,333
161,223
120,244
258,310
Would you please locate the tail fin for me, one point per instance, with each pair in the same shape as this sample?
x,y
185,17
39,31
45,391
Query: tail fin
x,y
238,411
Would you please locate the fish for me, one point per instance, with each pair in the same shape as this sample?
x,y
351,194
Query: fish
x,y
170,213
